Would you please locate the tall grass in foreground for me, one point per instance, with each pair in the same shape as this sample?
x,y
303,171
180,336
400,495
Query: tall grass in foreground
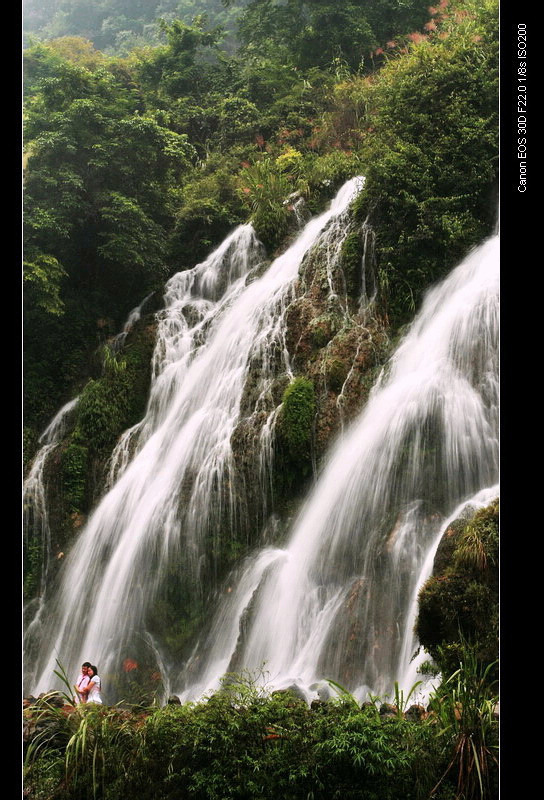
x,y
246,743
464,709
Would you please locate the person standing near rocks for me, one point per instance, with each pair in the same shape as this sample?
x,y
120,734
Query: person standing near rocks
x,y
92,689
82,682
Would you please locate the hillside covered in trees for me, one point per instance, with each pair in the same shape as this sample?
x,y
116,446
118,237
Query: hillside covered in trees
x,y
138,165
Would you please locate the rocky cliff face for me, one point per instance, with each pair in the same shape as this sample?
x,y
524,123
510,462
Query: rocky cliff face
x,y
336,345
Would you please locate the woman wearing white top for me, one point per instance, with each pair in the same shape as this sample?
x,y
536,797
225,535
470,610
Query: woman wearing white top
x,y
92,690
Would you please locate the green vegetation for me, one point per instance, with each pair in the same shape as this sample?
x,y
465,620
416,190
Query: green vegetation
x,y
245,742
118,26
294,434
138,164
431,150
352,257
460,602
139,161
74,467
108,404
297,417
267,186
464,709
32,567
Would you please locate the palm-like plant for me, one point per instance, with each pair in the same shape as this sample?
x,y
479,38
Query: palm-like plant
x,y
267,187
463,709
97,743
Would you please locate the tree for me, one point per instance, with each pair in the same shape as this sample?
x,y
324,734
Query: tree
x,y
320,32
101,192
99,172
431,149
177,69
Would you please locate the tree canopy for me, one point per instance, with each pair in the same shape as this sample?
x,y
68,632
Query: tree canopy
x,y
137,163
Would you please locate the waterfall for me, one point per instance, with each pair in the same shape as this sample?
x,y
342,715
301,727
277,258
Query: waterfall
x,y
172,477
36,524
134,316
35,512
36,515
340,600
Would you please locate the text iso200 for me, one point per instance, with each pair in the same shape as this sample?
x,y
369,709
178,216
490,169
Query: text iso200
x,y
522,41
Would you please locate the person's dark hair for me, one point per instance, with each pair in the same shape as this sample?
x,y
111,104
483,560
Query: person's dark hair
x,y
86,664
94,669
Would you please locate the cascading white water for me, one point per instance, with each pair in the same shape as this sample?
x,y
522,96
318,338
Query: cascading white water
x,y
133,317
173,478
406,661
35,506
340,600
36,517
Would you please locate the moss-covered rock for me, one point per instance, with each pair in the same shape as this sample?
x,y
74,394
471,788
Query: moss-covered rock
x,y
459,602
74,467
297,418
102,408
352,262
321,330
336,371
30,445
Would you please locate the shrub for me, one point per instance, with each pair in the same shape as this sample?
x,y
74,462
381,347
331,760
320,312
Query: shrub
x,y
463,712
74,468
243,743
102,409
266,188
460,600
297,417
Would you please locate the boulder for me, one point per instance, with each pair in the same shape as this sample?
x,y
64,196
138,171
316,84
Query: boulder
x,y
415,713
173,700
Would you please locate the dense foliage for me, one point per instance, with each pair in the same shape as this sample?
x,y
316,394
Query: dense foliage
x,y
433,154
117,26
137,165
460,601
247,744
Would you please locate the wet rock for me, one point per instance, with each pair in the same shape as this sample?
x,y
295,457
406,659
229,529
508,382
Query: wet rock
x,y
51,699
173,700
415,713
292,692
388,710
324,692
29,701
